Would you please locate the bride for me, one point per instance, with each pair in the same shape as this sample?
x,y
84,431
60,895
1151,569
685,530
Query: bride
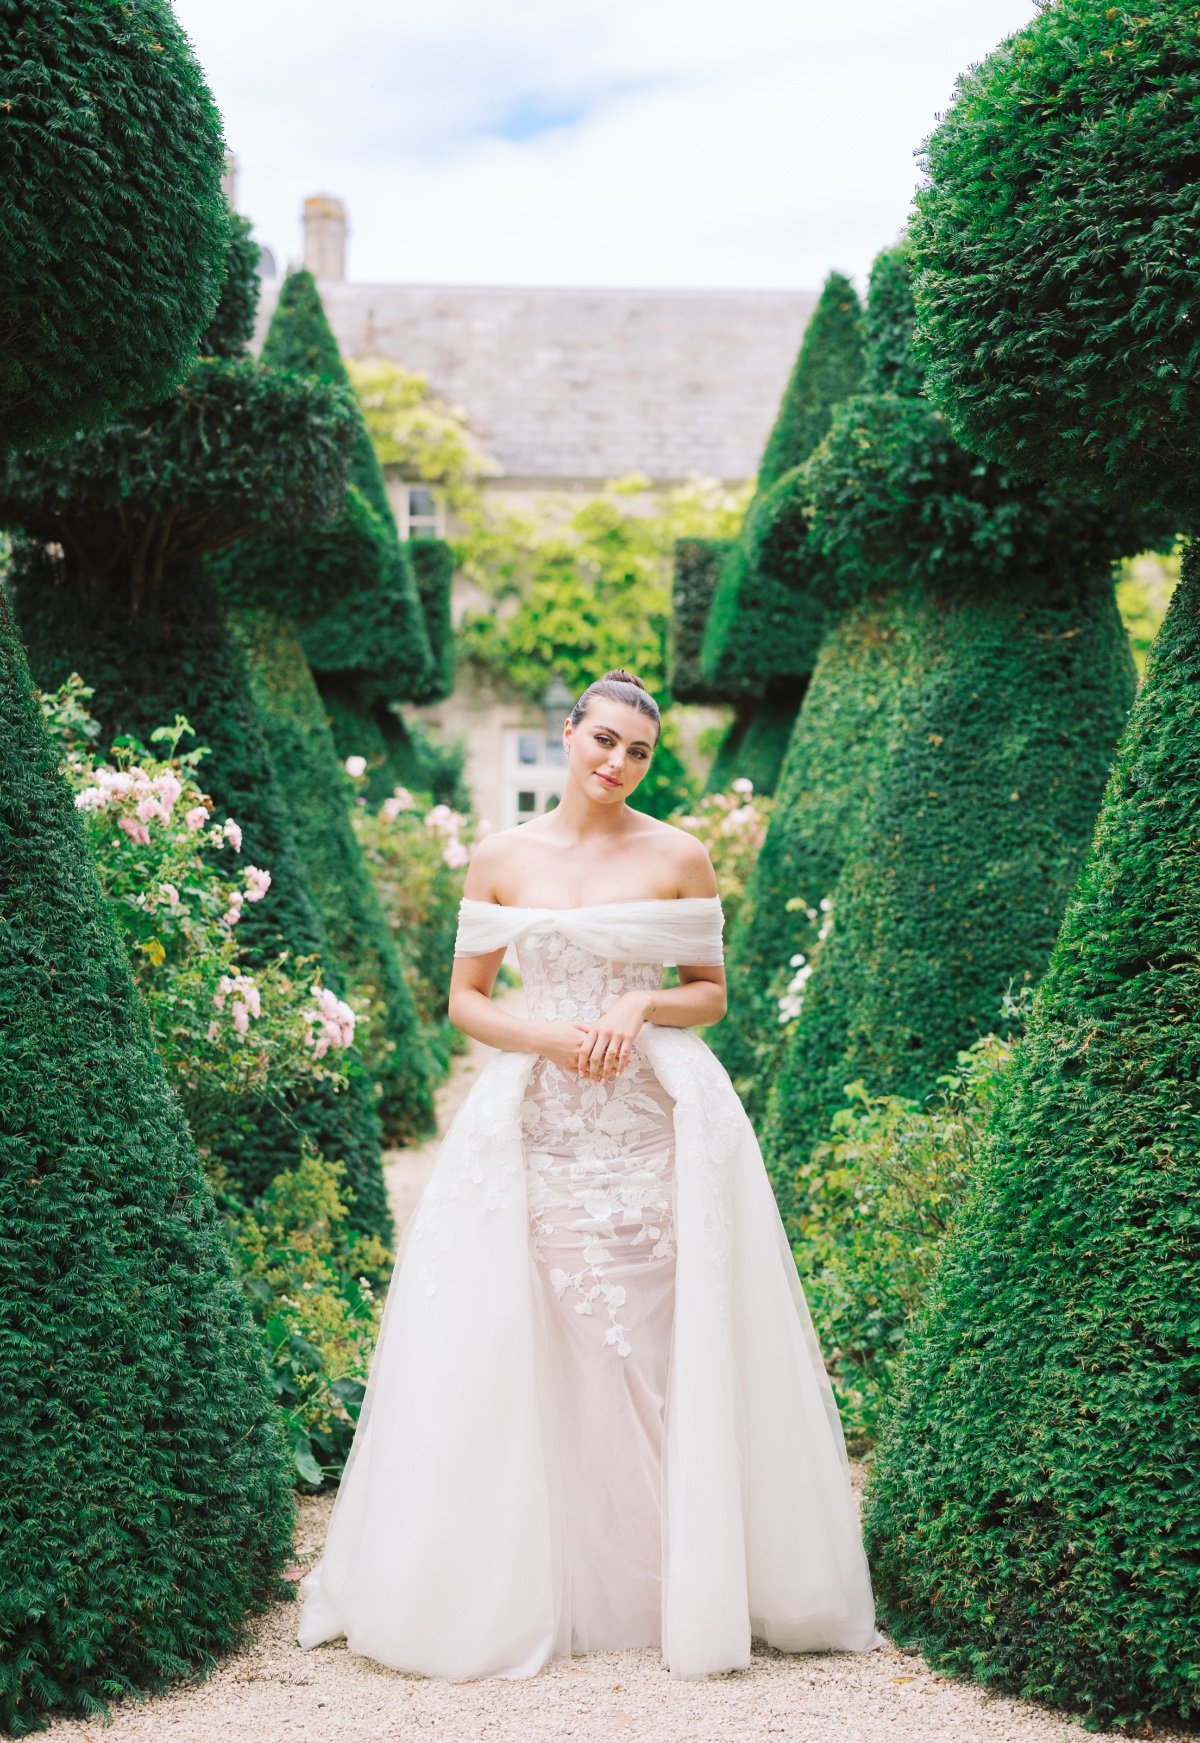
x,y
597,1415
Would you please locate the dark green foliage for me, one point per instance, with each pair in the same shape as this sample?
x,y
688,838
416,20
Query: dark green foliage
x,y
955,884
433,568
835,758
1057,247
233,446
827,369
399,752
232,327
183,660
146,1502
112,220
889,364
760,628
755,744
305,761
353,568
1034,1513
698,564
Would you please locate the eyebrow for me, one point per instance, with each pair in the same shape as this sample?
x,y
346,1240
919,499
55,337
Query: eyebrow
x,y
613,733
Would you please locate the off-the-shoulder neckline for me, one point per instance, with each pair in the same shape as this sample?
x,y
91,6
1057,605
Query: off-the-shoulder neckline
x,y
589,907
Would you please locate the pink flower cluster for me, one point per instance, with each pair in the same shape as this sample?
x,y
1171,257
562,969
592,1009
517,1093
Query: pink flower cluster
x,y
152,798
244,1002
448,823
401,800
330,1024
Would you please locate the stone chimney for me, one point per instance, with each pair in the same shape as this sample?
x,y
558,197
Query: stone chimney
x,y
325,236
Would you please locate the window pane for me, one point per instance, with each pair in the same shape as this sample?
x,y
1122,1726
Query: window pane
x,y
422,505
556,752
551,801
526,803
527,748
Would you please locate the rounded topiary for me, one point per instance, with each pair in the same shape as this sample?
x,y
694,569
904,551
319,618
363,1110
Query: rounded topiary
x,y
232,327
113,226
1057,247
146,1504
313,785
1034,1509
1019,682
758,630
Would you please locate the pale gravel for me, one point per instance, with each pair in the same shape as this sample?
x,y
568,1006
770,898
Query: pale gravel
x,y
273,1692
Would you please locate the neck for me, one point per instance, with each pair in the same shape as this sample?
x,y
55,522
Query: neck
x,y
579,818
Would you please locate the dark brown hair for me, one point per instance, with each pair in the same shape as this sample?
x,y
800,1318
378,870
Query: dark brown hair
x,y
620,686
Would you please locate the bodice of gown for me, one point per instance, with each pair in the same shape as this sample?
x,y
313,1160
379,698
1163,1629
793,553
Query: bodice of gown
x,y
566,983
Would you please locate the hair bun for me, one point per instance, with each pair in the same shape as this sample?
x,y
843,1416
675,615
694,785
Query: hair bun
x,y
621,676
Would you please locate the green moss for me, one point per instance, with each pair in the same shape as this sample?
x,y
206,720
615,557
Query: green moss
x,y
147,1502
113,227
306,766
1034,1511
1055,314
183,660
835,759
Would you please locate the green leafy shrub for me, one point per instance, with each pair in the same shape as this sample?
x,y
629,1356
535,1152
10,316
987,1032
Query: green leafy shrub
x,y
1056,247
146,1505
1034,1513
308,1277
314,789
879,1193
732,826
113,227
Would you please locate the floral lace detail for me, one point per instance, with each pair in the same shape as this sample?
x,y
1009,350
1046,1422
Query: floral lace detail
x,y
599,1156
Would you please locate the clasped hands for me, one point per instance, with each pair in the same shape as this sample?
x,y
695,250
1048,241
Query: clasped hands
x,y
600,1049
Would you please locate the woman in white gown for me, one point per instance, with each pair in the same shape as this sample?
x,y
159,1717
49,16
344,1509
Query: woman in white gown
x,y
597,1415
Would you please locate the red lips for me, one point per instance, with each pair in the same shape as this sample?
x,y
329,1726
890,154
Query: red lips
x,y
608,782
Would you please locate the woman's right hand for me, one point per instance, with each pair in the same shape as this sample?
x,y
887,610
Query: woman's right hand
x,y
560,1043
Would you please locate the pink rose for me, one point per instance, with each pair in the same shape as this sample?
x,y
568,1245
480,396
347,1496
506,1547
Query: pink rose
x,y
137,832
196,818
454,853
232,834
356,767
258,882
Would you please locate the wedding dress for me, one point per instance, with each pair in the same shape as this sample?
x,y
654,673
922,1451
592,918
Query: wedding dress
x,y
597,1415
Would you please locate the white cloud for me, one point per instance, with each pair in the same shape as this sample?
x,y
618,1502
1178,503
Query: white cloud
x,y
756,144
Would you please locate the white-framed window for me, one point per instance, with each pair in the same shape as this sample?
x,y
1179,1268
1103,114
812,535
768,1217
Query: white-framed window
x,y
533,773
422,513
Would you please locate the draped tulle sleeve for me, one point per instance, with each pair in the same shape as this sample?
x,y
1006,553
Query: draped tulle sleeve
x,y
684,930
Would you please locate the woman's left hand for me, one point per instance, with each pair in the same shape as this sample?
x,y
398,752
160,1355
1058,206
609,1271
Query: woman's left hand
x,y
607,1047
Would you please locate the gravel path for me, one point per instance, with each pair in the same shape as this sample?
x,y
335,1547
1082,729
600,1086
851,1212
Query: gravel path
x,y
275,1693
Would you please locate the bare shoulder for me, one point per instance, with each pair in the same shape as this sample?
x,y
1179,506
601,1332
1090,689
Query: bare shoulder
x,y
687,857
490,859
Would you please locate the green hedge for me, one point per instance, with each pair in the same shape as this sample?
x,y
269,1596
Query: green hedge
x,y
313,786
1034,1511
433,567
835,757
232,327
955,883
697,568
113,227
146,1503
399,752
1057,247
182,659
755,745
758,631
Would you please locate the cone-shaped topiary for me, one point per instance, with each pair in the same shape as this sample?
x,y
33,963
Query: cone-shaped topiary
x,y
113,226
697,568
1020,682
272,572
183,659
841,735
835,757
1034,1511
311,779
433,569
131,510
757,632
1057,246
147,1498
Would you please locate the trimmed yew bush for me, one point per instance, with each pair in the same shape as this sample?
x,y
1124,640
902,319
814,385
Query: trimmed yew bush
x,y
1034,1511
314,785
146,1506
757,630
113,226
697,568
754,747
1057,246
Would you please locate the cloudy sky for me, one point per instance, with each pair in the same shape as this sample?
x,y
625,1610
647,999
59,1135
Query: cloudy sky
x,y
638,142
